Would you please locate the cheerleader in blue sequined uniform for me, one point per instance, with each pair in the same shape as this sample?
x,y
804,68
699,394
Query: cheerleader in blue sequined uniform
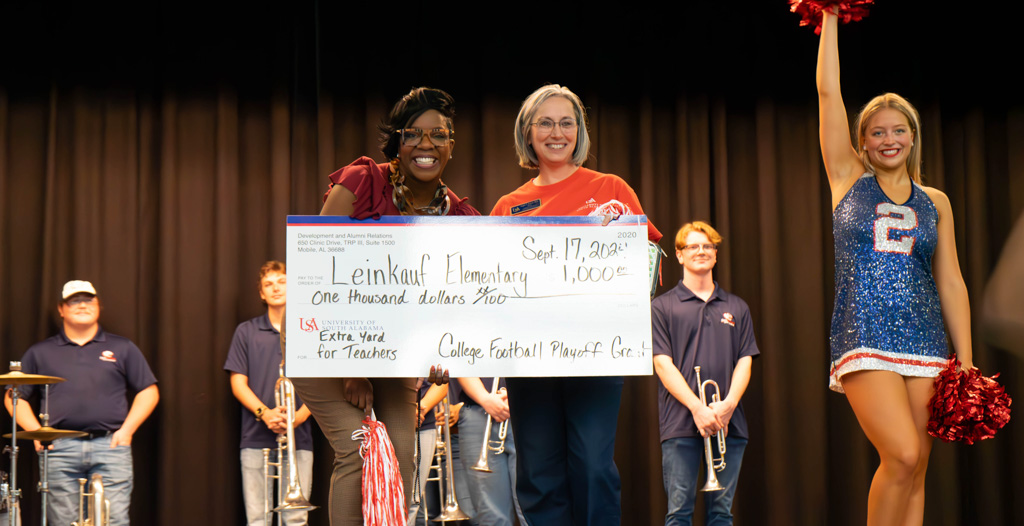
x,y
897,281
887,314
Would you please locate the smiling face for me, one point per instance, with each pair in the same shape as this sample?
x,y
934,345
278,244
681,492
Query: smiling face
x,y
701,260
554,147
423,160
81,311
888,139
274,289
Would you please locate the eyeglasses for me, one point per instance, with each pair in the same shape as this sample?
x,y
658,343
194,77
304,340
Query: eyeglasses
x,y
708,247
75,300
414,136
547,125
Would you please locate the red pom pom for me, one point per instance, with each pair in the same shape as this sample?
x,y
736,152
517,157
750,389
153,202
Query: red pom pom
x,y
847,10
967,407
383,497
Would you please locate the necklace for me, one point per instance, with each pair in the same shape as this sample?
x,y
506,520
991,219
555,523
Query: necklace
x,y
401,195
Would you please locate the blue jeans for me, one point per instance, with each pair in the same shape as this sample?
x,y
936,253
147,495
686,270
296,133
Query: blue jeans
x,y
75,458
461,484
681,459
492,493
566,472
255,486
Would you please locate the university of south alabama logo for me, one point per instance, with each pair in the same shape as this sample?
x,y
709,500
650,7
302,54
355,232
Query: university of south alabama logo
x,y
308,325
108,356
728,319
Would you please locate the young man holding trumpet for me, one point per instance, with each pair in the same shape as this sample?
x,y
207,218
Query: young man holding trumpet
x,y
701,332
254,361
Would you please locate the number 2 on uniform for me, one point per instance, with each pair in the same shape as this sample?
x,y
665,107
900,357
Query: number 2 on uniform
x,y
894,217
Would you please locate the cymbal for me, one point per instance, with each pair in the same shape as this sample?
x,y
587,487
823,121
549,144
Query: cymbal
x,y
46,434
20,378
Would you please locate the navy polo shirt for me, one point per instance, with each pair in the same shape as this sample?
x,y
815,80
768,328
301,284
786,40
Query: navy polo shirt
x,y
713,335
256,352
98,377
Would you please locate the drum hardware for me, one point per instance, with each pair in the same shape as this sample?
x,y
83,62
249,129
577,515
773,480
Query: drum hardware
x,y
15,378
499,445
289,498
713,464
47,434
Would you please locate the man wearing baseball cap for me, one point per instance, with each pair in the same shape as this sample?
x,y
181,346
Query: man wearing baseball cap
x,y
101,371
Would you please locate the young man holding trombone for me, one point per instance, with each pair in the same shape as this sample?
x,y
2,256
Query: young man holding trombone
x,y
703,347
488,451
254,361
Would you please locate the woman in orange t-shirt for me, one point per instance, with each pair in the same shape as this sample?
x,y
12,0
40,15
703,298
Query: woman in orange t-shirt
x,y
566,470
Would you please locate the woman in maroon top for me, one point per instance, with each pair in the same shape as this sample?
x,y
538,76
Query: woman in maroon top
x,y
416,138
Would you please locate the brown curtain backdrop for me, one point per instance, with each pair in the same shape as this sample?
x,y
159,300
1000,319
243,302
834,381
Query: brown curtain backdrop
x,y
157,150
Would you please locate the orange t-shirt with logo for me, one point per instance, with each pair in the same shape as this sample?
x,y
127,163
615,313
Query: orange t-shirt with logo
x,y
584,193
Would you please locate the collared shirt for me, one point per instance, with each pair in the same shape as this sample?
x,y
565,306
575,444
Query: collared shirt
x,y
256,353
713,335
98,377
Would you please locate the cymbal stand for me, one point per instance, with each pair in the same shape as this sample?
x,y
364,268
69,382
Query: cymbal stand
x,y
13,494
44,460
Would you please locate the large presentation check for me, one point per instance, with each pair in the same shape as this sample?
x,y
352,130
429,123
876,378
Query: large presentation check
x,y
482,296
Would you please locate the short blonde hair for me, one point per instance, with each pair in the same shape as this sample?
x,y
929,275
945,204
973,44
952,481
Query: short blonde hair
x,y
528,157
697,226
898,103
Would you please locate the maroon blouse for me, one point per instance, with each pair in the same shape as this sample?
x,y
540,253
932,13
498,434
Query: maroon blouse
x,y
369,182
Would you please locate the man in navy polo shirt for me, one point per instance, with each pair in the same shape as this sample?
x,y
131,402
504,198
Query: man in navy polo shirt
x,y
100,370
699,324
254,361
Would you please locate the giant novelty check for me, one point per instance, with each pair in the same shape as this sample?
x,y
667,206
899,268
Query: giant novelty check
x,y
482,296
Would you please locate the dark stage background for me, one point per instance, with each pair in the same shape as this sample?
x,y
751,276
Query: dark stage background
x,y
156,147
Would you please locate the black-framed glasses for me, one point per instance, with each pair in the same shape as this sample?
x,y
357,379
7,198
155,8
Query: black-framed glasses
x,y
547,125
414,136
708,247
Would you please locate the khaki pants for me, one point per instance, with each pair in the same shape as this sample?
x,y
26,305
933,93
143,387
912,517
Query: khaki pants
x,y
394,403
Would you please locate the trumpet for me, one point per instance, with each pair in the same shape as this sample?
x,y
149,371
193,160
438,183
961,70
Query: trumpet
x,y
95,512
713,463
290,497
497,446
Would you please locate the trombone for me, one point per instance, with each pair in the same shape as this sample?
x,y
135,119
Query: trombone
x,y
714,464
450,510
289,498
497,446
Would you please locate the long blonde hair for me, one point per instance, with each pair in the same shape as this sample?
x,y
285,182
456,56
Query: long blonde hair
x,y
898,103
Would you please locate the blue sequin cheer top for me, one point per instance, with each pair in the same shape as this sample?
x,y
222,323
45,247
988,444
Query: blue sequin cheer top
x,y
887,314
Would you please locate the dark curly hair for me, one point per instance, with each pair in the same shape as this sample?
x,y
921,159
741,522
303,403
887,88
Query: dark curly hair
x,y
406,110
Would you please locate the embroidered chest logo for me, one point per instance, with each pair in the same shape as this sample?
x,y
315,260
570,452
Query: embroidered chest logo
x,y
728,319
108,356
